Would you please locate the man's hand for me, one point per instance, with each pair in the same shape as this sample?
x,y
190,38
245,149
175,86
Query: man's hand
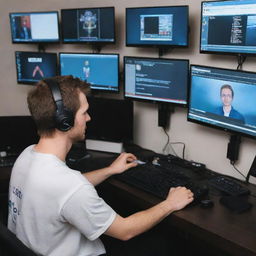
x,y
179,197
123,162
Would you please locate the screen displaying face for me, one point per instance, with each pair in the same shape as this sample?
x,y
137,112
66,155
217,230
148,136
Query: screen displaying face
x,y
223,98
34,27
35,66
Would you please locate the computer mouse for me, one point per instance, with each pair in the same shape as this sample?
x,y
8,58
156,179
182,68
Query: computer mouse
x,y
206,203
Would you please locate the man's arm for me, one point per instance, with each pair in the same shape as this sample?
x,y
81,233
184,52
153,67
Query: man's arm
x,y
135,224
123,162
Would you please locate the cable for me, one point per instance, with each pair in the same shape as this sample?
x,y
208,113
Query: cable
x,y
240,59
168,140
233,164
183,150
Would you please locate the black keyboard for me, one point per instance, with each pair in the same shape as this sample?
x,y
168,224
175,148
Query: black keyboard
x,y
7,161
229,186
158,180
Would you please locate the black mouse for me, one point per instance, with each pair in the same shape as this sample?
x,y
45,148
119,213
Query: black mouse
x,y
206,203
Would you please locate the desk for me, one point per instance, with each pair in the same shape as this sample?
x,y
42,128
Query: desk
x,y
232,233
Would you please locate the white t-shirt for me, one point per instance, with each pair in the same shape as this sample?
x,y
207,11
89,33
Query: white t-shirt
x,y
55,210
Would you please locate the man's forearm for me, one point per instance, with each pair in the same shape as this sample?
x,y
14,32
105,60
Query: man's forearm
x,y
98,176
135,224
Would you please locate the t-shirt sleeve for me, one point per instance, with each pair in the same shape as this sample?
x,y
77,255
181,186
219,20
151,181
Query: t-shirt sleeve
x,y
88,212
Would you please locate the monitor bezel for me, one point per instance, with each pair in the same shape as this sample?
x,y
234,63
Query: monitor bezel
x,y
36,41
42,53
118,69
214,51
157,45
89,42
153,100
228,130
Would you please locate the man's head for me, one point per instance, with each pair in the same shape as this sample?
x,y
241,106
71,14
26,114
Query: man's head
x,y
226,94
43,107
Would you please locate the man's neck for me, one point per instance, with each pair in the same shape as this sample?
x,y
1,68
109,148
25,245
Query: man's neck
x,y
226,109
58,145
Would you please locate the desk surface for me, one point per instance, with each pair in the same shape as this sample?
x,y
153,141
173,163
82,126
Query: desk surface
x,y
231,232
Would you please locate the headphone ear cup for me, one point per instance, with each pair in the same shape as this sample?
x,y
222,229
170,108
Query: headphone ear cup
x,y
64,120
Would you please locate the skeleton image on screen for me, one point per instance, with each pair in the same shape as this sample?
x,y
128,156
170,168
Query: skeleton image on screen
x,y
89,21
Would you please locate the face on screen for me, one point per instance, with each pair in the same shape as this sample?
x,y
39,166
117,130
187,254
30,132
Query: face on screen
x,y
223,98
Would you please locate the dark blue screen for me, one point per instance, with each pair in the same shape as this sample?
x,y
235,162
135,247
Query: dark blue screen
x,y
35,66
157,26
229,26
156,79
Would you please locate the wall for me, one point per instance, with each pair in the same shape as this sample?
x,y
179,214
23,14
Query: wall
x,y
203,144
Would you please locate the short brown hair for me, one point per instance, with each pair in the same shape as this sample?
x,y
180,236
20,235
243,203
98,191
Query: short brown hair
x,y
41,103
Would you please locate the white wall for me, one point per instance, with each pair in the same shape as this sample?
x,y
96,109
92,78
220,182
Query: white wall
x,y
203,144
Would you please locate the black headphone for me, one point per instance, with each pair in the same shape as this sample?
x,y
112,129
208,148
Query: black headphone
x,y
64,118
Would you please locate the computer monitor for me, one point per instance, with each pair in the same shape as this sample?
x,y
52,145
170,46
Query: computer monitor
x,y
153,79
16,133
100,70
35,27
88,25
223,98
157,26
228,27
35,66
111,120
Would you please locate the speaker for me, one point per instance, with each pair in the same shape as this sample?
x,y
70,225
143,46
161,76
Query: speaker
x,y
64,118
252,170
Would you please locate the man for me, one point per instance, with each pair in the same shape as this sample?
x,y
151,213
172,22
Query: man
x,y
24,30
227,95
55,210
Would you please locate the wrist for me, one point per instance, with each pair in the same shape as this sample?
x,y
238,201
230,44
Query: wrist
x,y
167,207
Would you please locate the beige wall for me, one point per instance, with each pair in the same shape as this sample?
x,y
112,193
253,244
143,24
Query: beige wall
x,y
203,144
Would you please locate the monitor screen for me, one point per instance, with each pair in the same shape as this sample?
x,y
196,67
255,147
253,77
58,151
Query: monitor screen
x,y
35,27
91,25
16,133
223,98
159,26
228,27
156,79
100,70
111,120
35,66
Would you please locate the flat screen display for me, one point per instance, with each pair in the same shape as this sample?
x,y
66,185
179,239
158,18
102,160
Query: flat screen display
x,y
158,26
153,79
100,70
35,27
228,27
111,120
88,25
223,98
35,66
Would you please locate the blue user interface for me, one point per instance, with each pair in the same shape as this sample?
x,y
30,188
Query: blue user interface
x,y
100,70
229,27
223,98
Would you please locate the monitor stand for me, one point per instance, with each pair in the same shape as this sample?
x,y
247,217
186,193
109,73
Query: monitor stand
x,y
105,146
